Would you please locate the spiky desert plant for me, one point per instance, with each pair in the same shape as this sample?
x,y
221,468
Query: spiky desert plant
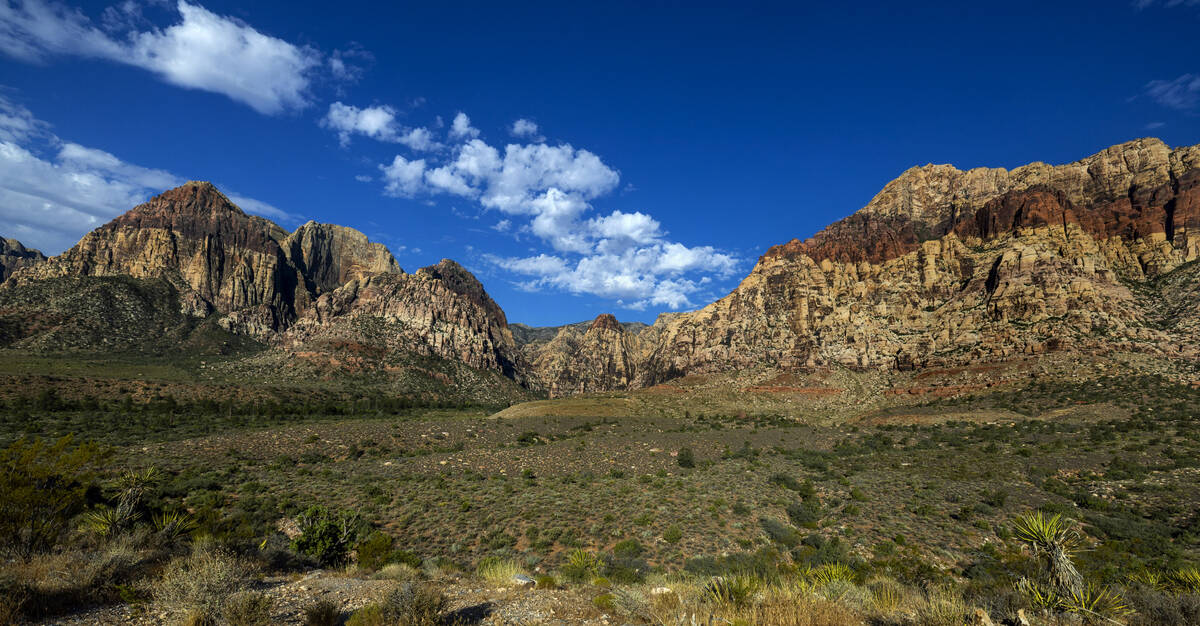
x,y
1041,597
109,521
734,591
172,525
133,485
581,565
1053,540
1096,602
1147,578
1186,579
832,573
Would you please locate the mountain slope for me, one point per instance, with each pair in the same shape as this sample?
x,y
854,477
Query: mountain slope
x,y
947,267
14,256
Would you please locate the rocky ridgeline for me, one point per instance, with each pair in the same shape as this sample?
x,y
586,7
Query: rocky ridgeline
x,y
14,256
942,268
945,267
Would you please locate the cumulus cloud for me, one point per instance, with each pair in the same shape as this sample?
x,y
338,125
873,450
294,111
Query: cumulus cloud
x,y
403,178
202,51
1182,94
461,127
621,256
53,191
375,122
526,129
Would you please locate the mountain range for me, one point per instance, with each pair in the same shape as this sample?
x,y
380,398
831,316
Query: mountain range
x,y
942,268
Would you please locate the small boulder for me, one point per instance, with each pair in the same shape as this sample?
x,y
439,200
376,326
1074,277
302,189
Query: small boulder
x,y
523,581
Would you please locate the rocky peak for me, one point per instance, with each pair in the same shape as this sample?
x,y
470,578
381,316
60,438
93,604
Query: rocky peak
x,y
459,280
329,256
606,321
14,256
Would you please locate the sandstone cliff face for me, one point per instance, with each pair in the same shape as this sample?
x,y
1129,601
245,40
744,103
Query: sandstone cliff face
x,y
601,358
253,273
949,267
441,311
329,256
14,256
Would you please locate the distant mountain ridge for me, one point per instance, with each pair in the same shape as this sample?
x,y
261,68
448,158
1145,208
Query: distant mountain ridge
x,y
943,267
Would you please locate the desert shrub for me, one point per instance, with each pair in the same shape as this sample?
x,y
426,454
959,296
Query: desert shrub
x,y
806,513
763,563
604,602
686,458
248,608
409,604
1159,608
376,551
673,534
202,581
629,548
546,582
323,612
780,533
327,535
44,485
624,569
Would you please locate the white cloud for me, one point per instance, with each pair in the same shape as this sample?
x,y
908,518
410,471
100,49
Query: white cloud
x,y
376,122
527,129
1182,94
202,51
625,257
419,139
404,178
52,191
461,127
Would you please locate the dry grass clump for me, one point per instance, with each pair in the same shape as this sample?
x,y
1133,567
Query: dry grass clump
x,y
498,571
202,582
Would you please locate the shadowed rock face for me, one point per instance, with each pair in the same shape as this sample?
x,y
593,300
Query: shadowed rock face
x,y
14,256
329,256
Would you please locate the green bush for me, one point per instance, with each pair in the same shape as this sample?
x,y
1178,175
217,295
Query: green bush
x,y
686,458
202,582
673,534
377,550
327,535
44,485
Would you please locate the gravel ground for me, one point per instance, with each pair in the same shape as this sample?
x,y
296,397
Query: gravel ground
x,y
474,601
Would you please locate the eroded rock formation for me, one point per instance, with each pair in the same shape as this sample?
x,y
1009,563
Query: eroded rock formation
x,y
14,256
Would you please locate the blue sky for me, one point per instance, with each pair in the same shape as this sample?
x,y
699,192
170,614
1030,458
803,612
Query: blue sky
x,y
580,159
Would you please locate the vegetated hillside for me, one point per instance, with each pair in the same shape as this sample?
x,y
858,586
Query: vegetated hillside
x,y
109,315
908,514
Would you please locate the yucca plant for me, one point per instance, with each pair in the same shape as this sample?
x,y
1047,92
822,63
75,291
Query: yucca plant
x,y
831,573
109,521
581,565
1041,597
1147,578
133,485
1186,579
172,525
1096,602
1053,540
735,591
